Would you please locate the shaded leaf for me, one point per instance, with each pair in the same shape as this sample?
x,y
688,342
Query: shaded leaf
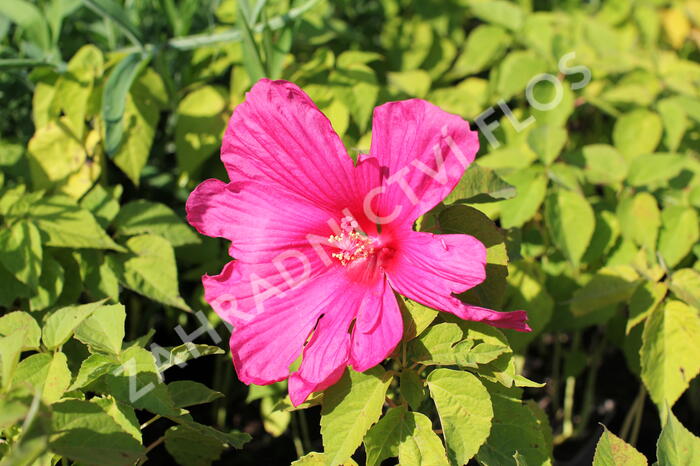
x,y
349,409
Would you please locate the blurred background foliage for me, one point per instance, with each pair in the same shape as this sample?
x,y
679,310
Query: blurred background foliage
x,y
114,110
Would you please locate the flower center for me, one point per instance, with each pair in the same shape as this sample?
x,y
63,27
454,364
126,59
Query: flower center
x,y
351,242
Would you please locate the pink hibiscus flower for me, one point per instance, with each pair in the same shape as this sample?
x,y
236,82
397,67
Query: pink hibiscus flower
x,y
321,244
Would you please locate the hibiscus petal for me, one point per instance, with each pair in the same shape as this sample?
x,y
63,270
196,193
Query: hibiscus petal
x,y
329,347
278,136
261,221
430,268
264,347
300,389
210,209
376,333
239,292
378,328
425,151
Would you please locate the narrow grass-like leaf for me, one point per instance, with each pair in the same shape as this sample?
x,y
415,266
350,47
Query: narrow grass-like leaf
x,y
114,98
116,13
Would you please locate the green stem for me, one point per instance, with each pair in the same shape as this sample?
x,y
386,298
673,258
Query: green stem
x,y
150,421
8,63
296,439
556,365
634,413
637,421
144,457
305,438
568,425
588,394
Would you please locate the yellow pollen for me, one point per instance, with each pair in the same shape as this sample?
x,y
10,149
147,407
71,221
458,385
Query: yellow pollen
x,y
351,245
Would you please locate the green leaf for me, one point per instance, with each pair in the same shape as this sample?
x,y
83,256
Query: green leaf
x,y
62,161
407,435
499,12
143,216
201,120
18,321
114,96
30,19
462,219
60,324
113,11
611,450
98,277
275,420
356,86
515,72
195,444
571,222
74,89
685,283
679,232
186,393
51,284
531,186
103,330
677,446
21,252
46,372
12,289
413,83
527,290
138,123
637,132
69,226
670,355
443,345
547,142
604,164
675,122
468,98
486,44
646,297
183,353
609,285
103,203
188,446
123,414
350,407
465,411
150,269
318,459
85,433
138,383
411,388
640,219
653,168
517,427
92,368
416,317
479,182
10,349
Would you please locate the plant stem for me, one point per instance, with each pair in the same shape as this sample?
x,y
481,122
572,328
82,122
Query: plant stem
x,y
298,444
305,438
143,458
568,426
634,412
556,363
598,348
150,421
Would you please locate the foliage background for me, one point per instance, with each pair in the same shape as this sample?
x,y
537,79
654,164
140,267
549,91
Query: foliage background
x,y
113,111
